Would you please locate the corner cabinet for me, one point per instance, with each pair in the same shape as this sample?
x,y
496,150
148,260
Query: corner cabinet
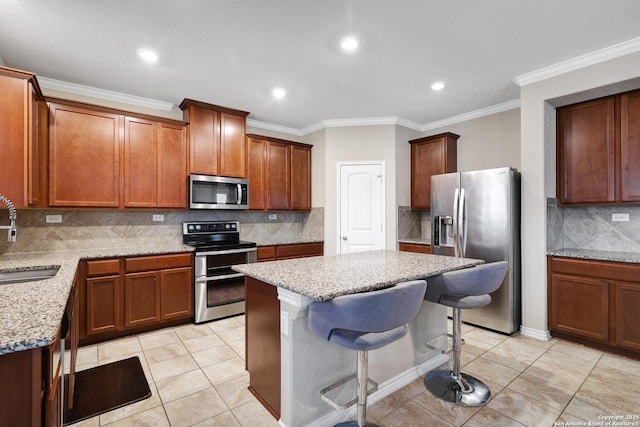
x,y
595,303
103,158
431,155
121,296
279,174
21,105
598,150
217,143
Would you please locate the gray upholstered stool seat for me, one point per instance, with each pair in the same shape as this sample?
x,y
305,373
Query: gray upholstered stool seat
x,y
363,322
462,289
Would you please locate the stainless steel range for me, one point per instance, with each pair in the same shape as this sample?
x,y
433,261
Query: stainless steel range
x,y
219,291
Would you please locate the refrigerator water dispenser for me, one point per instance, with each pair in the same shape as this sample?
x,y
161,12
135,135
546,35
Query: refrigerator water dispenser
x,y
444,234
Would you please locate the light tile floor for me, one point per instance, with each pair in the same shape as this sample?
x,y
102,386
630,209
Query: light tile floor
x,y
197,378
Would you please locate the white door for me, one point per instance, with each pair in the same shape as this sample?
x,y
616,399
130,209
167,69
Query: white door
x,y
361,206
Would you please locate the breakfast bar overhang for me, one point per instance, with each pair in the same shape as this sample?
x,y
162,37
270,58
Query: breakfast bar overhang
x,y
288,365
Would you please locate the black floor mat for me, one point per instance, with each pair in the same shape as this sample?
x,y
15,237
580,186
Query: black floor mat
x,y
107,387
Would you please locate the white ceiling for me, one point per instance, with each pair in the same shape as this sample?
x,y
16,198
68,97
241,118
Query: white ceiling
x,y
232,53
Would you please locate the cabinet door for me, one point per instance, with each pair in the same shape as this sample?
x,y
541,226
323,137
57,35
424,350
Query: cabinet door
x,y
628,315
141,298
256,173
140,164
630,146
176,293
278,164
204,141
84,157
580,306
300,178
32,148
104,304
233,146
430,156
586,152
172,166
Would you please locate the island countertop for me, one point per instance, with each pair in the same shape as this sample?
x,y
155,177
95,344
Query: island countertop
x,y
325,277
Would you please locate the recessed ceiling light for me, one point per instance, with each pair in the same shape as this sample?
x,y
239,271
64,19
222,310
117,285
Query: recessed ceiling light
x,y
437,86
278,93
349,44
148,55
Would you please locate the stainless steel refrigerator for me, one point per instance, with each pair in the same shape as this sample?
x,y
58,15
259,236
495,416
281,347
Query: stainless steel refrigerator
x,y
477,215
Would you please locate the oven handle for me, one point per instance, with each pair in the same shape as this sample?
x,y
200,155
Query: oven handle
x,y
222,277
228,251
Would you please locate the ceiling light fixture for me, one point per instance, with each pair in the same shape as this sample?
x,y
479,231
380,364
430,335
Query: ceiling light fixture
x,y
349,44
147,55
278,93
437,86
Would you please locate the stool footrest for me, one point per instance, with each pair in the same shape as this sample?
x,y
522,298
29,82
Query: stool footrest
x,y
430,346
324,393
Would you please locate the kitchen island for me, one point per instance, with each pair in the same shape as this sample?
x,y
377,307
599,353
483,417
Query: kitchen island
x,y
288,364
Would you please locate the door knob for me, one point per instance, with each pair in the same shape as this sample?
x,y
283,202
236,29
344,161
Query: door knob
x,y
344,237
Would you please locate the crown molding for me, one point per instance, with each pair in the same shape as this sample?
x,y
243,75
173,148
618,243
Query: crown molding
x,y
606,54
273,127
498,108
104,94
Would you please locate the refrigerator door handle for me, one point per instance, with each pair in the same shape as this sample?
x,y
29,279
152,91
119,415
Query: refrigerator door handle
x,y
462,225
456,197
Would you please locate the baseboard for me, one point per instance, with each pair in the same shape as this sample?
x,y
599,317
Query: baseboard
x,y
535,333
384,390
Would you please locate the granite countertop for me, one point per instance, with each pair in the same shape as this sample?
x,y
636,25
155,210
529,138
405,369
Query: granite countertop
x,y
324,278
415,241
292,241
31,312
628,257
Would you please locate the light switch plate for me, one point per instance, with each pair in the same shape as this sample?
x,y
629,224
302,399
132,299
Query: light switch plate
x,y
284,323
620,217
158,218
273,217
53,219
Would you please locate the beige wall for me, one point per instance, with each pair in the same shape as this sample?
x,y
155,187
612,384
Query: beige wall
x,y
487,142
537,148
403,164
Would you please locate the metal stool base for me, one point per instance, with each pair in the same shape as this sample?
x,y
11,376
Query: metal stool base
x,y
442,385
355,424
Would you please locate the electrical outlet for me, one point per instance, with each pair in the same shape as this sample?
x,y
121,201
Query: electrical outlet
x,y
158,218
53,219
273,217
620,217
284,323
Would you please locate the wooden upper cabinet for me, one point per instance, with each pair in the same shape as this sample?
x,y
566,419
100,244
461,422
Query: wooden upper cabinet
x,y
586,152
278,162
630,146
256,172
19,136
300,178
172,166
431,155
217,143
84,157
140,163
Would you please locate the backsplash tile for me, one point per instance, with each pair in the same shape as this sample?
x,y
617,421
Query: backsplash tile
x,y
103,229
414,225
591,227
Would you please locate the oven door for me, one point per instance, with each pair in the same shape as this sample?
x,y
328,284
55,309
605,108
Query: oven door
x,y
217,297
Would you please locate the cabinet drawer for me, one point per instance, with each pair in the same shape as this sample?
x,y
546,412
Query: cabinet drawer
x,y
601,269
299,250
157,262
103,267
266,253
414,247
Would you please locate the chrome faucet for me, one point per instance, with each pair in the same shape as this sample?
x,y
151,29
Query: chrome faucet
x,y
12,219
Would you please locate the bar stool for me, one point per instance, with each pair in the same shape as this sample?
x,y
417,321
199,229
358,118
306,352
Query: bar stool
x,y
365,321
467,288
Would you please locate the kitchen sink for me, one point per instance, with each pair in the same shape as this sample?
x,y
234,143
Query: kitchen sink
x,y
36,273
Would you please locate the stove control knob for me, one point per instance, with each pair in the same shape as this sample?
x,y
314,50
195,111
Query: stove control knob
x,y
198,227
227,226
233,226
190,227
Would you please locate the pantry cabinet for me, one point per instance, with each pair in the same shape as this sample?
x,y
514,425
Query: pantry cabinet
x,y
102,158
431,155
598,150
595,303
21,105
217,143
279,174
128,295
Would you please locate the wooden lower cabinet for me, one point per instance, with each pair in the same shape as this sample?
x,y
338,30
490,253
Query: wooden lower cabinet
x,y
121,296
296,250
414,247
595,303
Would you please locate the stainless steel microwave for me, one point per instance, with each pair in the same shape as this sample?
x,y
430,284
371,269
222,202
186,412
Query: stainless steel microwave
x,y
218,192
